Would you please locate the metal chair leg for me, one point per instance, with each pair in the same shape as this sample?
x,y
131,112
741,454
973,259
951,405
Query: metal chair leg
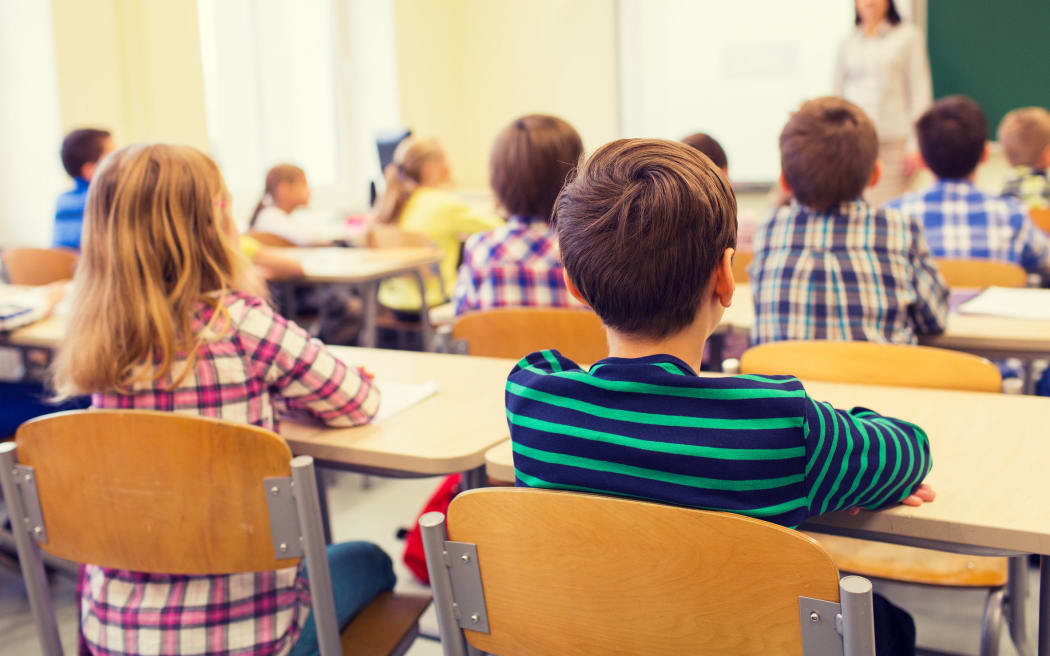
x,y
1016,594
992,624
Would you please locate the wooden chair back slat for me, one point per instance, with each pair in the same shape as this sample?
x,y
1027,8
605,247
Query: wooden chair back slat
x,y
155,491
516,332
1041,218
38,266
874,364
270,239
981,273
578,574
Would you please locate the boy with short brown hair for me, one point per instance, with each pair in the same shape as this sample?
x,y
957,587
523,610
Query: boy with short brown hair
x,y
1024,135
828,265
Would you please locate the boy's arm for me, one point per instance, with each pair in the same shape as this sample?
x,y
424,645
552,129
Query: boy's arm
x,y
929,313
860,458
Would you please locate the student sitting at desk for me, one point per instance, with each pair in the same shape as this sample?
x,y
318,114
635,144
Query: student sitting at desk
x,y
1024,135
416,200
960,220
828,265
286,191
81,152
647,231
177,324
517,265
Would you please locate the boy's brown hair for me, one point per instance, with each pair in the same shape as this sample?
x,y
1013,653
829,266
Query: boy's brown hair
x,y
828,151
641,228
530,161
81,147
1024,135
709,146
952,135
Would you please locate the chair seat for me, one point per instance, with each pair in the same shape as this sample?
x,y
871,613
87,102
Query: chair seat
x,y
385,626
912,565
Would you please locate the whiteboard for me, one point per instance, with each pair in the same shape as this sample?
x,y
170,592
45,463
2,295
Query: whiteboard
x,y
732,68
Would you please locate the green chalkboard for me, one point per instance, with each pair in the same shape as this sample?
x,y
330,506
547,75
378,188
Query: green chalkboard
x,y
995,51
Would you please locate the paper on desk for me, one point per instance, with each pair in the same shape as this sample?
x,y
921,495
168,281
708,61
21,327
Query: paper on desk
x,y
23,308
396,396
1014,303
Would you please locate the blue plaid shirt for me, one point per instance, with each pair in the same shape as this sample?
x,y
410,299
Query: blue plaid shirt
x,y
963,222
69,216
850,273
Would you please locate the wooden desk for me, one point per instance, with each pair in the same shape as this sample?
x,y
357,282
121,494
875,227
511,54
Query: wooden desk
x,y
992,337
365,268
989,470
446,433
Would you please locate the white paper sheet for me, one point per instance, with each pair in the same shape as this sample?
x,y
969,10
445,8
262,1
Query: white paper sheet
x,y
1020,303
396,396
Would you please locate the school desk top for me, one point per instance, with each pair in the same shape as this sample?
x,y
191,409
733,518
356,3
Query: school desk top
x,y
986,335
446,433
989,467
355,265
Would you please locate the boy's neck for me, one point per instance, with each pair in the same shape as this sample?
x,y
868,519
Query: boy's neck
x,y
687,345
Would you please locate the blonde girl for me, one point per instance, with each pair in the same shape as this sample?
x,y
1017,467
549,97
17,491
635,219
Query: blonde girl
x,y
168,316
415,200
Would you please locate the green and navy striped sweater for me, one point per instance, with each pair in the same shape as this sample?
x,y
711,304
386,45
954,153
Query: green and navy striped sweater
x,y
650,428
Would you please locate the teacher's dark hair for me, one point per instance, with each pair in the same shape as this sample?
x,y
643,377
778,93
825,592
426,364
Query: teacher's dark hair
x,y
892,17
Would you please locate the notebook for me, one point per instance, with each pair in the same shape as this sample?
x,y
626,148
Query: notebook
x,y
396,397
1013,303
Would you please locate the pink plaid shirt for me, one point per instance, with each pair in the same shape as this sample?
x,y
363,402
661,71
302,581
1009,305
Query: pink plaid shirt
x,y
263,364
515,265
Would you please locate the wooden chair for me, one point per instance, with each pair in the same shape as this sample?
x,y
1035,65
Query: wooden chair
x,y
546,572
161,492
910,366
874,364
514,332
981,273
270,239
1041,218
742,260
38,266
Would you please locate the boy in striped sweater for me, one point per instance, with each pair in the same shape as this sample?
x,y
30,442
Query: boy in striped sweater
x,y
647,231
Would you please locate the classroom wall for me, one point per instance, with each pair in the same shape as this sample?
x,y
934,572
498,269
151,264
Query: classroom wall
x,y
133,67
468,67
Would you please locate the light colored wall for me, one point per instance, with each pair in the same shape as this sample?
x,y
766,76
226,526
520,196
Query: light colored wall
x,y
469,67
131,66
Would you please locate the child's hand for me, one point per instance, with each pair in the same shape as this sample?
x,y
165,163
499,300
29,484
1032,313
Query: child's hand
x,y
922,494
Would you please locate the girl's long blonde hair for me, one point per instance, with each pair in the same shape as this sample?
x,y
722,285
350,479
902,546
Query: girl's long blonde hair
x,y
404,175
158,242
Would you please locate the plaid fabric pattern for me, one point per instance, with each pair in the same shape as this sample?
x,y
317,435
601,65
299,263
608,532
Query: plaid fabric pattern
x,y
851,273
515,265
1030,186
260,365
962,222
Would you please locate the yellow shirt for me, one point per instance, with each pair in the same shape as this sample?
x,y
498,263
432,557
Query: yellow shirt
x,y
442,217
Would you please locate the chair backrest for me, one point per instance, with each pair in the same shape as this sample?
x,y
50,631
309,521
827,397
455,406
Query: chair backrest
x,y
270,239
155,491
570,573
875,364
1041,218
741,260
38,266
515,332
981,273
391,236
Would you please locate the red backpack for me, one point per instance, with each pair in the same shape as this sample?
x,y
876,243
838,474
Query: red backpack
x,y
413,556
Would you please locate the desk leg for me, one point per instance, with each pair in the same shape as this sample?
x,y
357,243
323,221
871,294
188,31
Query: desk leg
x,y
1044,605
370,298
473,478
322,502
1016,594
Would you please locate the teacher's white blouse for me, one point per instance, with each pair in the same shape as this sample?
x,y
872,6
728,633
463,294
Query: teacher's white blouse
x,y
888,75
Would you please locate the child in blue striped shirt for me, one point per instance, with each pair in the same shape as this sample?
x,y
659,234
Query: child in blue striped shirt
x,y
647,231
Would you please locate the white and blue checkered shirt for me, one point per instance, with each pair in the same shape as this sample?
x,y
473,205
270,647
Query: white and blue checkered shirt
x,y
963,222
850,273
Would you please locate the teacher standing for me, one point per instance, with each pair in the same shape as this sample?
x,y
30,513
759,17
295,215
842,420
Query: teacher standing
x,y
882,66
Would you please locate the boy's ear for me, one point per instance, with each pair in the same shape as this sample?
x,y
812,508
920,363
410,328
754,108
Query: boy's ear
x,y
87,170
876,173
1044,158
784,185
571,287
725,284
985,154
